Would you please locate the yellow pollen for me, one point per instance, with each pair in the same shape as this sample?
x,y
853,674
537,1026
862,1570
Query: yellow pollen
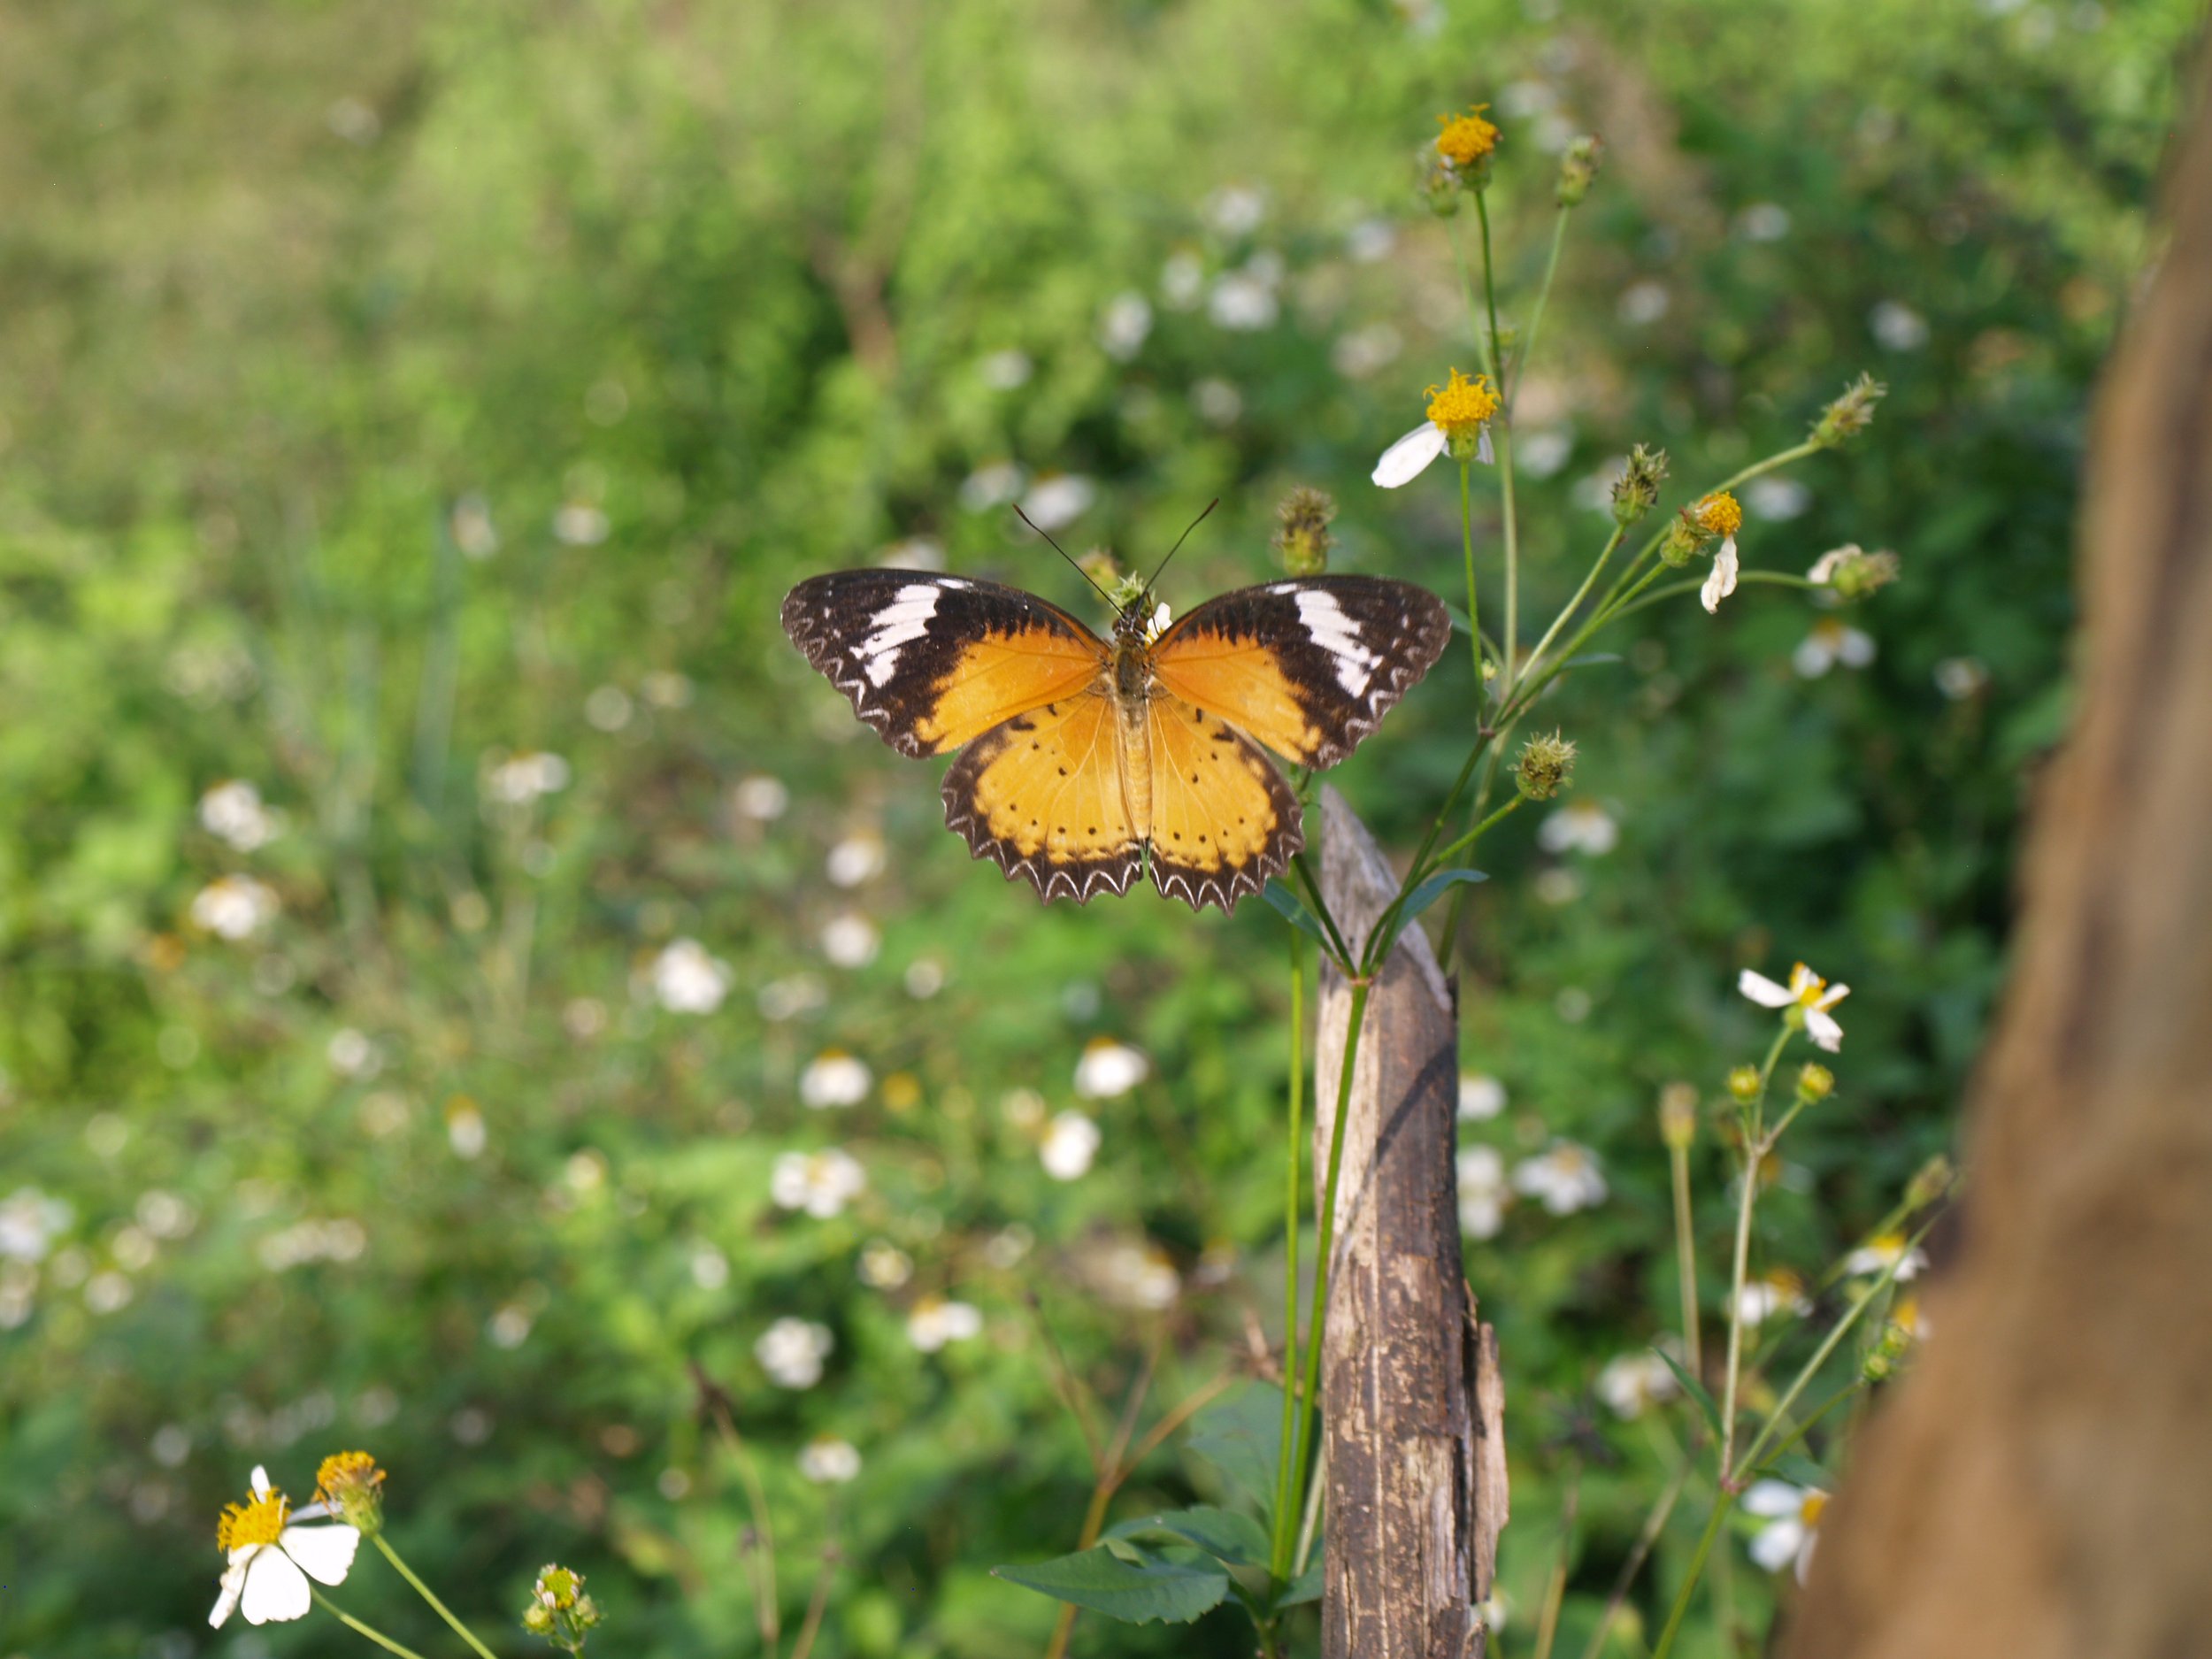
x,y
346,1472
257,1522
1721,514
1809,984
1810,1510
1466,139
1462,406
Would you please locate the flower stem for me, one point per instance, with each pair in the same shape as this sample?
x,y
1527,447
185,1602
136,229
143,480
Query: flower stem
x,y
1536,316
1581,593
1317,1320
1685,1257
1278,1551
353,1624
1722,1505
1476,834
1509,640
1754,1149
1779,578
424,1590
1467,541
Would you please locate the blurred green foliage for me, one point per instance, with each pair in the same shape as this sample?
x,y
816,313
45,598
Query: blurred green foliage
x,y
391,389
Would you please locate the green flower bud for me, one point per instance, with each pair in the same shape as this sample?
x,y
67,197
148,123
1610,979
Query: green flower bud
x,y
1815,1082
1743,1083
1637,489
1677,1114
538,1619
1850,414
1578,168
1933,1180
1439,183
1304,538
1546,766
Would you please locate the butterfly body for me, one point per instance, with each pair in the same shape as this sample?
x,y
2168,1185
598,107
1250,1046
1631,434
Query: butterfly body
x,y
1086,760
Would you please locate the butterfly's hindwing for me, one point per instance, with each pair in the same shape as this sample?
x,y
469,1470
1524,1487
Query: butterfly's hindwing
x,y
1309,667
1223,818
1040,795
932,661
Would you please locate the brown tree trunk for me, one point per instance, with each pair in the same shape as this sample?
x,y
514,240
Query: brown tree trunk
x,y
1413,1405
2042,1484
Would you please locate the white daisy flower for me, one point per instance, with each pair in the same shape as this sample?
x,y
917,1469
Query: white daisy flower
x,y
272,1559
934,1322
827,1461
1459,415
1056,501
1108,1068
1582,826
1564,1179
1806,991
1877,1255
760,798
1069,1146
235,907
30,1221
1632,1383
850,939
1829,644
1761,1299
232,812
1243,302
526,777
884,1267
580,524
1483,1192
791,1351
1792,1520
1123,325
820,1183
856,859
1141,1276
1481,1098
1959,678
688,980
834,1078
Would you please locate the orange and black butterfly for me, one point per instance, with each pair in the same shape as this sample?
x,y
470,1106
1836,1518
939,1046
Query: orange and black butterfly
x,y
1084,757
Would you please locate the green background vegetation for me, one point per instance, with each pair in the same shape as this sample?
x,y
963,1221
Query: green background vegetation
x,y
279,283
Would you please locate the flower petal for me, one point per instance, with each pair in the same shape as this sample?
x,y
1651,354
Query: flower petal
x,y
1777,1545
227,1599
276,1590
1482,452
324,1553
1405,460
1823,1029
1770,1499
1720,581
1763,990
1823,570
259,1481
1829,997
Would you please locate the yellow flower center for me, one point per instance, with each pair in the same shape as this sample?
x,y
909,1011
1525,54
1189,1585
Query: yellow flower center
x,y
345,1472
257,1522
1462,406
1809,1511
1720,515
1466,139
1807,985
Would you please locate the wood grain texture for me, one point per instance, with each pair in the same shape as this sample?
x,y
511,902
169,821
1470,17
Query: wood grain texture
x,y
2042,1484
1413,1400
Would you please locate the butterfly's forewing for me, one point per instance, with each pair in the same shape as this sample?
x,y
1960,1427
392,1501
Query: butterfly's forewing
x,y
1309,667
1223,818
932,661
1040,795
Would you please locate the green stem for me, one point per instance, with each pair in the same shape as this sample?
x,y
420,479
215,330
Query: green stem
x,y
1779,578
424,1590
1780,458
1534,685
1509,640
1575,603
1476,834
1326,1223
353,1624
1685,1257
1754,1149
1467,541
1722,1505
1343,952
1655,1524
1280,1544
1536,317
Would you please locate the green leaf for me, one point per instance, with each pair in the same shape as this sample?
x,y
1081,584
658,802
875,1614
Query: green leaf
x,y
1242,1435
1225,1534
1591,659
1434,889
1801,1471
1695,1390
1304,1588
1293,909
1100,1581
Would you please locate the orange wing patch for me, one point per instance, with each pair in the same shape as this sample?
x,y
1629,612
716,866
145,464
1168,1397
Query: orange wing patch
x,y
1040,795
1223,819
999,676
1244,682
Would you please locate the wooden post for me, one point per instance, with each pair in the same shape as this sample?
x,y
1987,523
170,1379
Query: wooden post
x,y
1411,1399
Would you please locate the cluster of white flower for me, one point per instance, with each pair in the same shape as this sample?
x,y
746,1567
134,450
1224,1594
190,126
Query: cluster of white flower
x,y
234,813
521,778
1108,1069
235,907
1631,1383
341,1239
688,980
792,1351
827,1461
1564,1178
820,1183
1069,1146
935,1321
834,1079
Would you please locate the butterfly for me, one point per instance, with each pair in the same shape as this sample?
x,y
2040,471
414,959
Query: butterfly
x,y
1086,760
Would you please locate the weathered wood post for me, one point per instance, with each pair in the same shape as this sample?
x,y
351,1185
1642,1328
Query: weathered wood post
x,y
1411,1398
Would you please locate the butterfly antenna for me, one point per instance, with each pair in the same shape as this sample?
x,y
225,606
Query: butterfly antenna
x,y
1062,552
1177,548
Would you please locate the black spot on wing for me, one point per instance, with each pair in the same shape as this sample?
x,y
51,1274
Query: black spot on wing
x,y
833,618
1079,880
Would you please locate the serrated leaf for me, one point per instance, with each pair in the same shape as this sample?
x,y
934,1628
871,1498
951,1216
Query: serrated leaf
x,y
1100,1581
1293,909
1242,1435
1695,1390
1801,1471
1225,1534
